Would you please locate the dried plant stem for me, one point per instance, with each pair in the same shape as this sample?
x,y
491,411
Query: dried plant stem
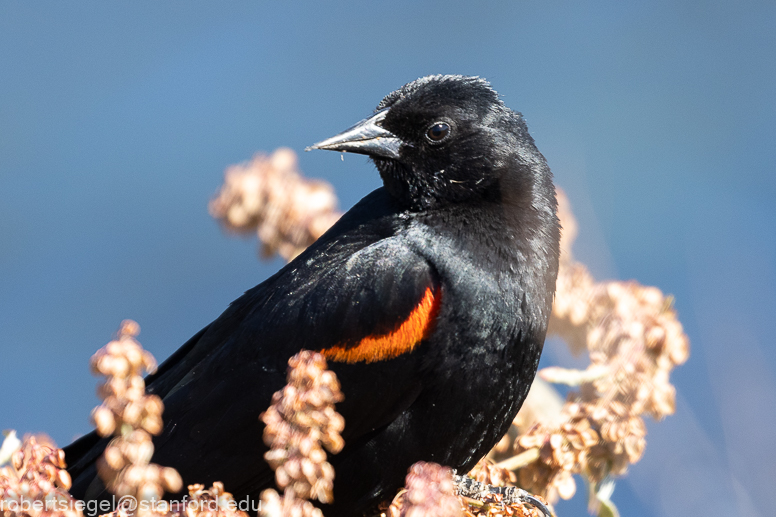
x,y
520,460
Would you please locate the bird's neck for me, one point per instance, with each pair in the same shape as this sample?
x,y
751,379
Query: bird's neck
x,y
514,236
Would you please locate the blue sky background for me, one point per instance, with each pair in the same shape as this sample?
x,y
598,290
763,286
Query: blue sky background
x,y
118,119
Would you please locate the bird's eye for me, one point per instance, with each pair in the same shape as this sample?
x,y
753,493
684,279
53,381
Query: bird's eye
x,y
438,132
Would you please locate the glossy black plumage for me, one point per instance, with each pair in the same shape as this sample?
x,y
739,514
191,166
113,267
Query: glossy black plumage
x,y
471,217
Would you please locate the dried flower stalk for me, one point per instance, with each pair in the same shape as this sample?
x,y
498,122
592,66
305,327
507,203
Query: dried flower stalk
x,y
132,416
432,490
489,490
634,340
485,471
35,484
269,196
300,422
429,492
287,505
211,502
200,502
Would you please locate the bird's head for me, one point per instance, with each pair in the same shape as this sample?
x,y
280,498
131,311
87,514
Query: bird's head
x,y
445,139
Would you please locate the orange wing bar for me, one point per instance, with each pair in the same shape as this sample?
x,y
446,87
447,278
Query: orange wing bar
x,y
405,338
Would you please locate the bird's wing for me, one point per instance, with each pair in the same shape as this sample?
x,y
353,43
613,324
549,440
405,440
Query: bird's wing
x,y
366,311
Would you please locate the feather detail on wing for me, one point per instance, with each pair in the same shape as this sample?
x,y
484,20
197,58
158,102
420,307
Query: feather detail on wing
x,y
408,335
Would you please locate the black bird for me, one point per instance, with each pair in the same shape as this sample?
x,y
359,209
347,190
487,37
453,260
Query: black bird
x,y
430,298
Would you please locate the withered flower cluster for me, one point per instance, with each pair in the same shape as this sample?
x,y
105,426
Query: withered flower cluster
x,y
301,421
286,505
485,497
35,484
429,492
132,416
493,505
485,471
212,502
634,340
200,502
269,196
432,490
125,405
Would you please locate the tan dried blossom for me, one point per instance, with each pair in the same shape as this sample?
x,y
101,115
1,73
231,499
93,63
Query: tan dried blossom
x,y
125,406
211,502
287,505
634,340
36,483
493,505
132,416
200,502
483,492
429,492
485,471
269,196
301,421
433,490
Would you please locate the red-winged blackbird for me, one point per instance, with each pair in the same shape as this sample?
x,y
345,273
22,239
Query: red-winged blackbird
x,y
430,298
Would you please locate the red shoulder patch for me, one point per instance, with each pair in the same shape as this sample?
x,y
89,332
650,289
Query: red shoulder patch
x,y
403,339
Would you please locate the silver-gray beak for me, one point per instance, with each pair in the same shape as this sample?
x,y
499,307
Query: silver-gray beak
x,y
366,137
